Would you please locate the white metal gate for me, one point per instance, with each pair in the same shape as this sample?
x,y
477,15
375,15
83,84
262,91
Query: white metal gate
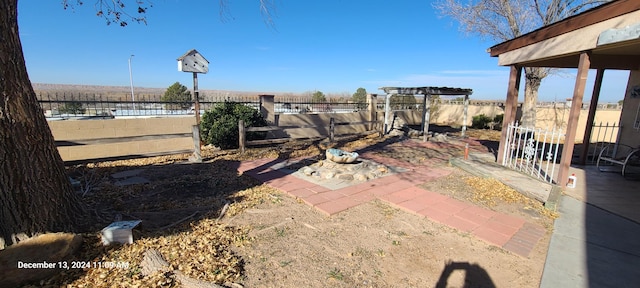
x,y
532,151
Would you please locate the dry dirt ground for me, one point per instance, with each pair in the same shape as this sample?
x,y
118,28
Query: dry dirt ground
x,y
269,239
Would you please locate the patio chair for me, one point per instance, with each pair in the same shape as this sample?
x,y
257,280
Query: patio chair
x,y
618,154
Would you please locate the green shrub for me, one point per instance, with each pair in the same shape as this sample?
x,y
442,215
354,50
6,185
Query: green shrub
x,y
498,118
73,107
498,122
177,96
480,121
219,126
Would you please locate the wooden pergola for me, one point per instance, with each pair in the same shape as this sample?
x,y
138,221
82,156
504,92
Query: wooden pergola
x,y
605,37
427,92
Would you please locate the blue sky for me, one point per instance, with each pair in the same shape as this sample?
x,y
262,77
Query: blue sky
x,y
334,46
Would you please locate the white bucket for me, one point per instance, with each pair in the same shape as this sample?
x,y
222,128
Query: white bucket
x,y
571,183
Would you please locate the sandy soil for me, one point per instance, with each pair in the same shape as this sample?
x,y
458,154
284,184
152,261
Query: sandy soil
x,y
269,239
373,245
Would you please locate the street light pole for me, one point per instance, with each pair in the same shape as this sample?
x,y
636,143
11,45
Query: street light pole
x,y
133,98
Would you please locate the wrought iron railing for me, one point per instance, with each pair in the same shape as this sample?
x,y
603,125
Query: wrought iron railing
x,y
602,134
95,106
532,151
295,105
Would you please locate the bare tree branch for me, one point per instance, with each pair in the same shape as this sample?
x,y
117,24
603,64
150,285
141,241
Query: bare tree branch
x,y
116,11
503,20
267,10
120,11
512,17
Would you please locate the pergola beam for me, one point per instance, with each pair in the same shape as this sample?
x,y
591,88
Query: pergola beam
x,y
443,91
426,115
426,103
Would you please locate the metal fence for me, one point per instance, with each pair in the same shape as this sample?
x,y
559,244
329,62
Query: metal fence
x,y
401,102
408,103
80,106
411,102
532,151
601,135
296,105
84,105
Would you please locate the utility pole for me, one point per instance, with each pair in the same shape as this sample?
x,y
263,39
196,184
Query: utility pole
x,y
133,98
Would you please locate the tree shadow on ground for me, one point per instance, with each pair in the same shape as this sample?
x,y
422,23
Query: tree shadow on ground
x,y
485,137
171,191
176,196
179,194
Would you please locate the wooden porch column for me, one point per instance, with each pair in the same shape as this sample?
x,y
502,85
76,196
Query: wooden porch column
x,y
372,103
574,114
592,115
510,107
387,111
426,115
464,116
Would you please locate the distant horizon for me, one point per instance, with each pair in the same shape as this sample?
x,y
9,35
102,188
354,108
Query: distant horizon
x,y
357,46
126,91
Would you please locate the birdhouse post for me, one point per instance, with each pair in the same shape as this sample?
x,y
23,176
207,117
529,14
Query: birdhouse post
x,y
194,62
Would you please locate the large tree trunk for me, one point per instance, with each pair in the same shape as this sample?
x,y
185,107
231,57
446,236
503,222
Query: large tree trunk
x,y
35,193
533,78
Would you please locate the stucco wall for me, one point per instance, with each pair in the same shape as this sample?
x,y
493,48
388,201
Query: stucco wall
x,y
547,118
449,114
556,118
630,132
322,120
71,130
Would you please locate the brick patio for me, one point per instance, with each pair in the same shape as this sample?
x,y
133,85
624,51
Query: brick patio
x,y
400,190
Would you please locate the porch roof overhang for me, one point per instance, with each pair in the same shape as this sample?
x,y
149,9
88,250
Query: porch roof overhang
x,y
604,37
610,33
442,91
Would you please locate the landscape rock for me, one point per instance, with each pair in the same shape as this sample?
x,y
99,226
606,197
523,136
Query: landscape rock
x,y
345,176
361,171
359,177
308,171
439,137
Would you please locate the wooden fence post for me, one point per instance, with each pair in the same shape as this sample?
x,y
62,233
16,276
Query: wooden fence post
x,y
379,127
196,145
241,135
332,126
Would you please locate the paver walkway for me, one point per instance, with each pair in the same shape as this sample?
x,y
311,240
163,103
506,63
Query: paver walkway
x,y
511,233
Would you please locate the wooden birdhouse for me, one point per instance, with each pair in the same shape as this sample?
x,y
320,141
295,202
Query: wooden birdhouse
x,y
193,61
